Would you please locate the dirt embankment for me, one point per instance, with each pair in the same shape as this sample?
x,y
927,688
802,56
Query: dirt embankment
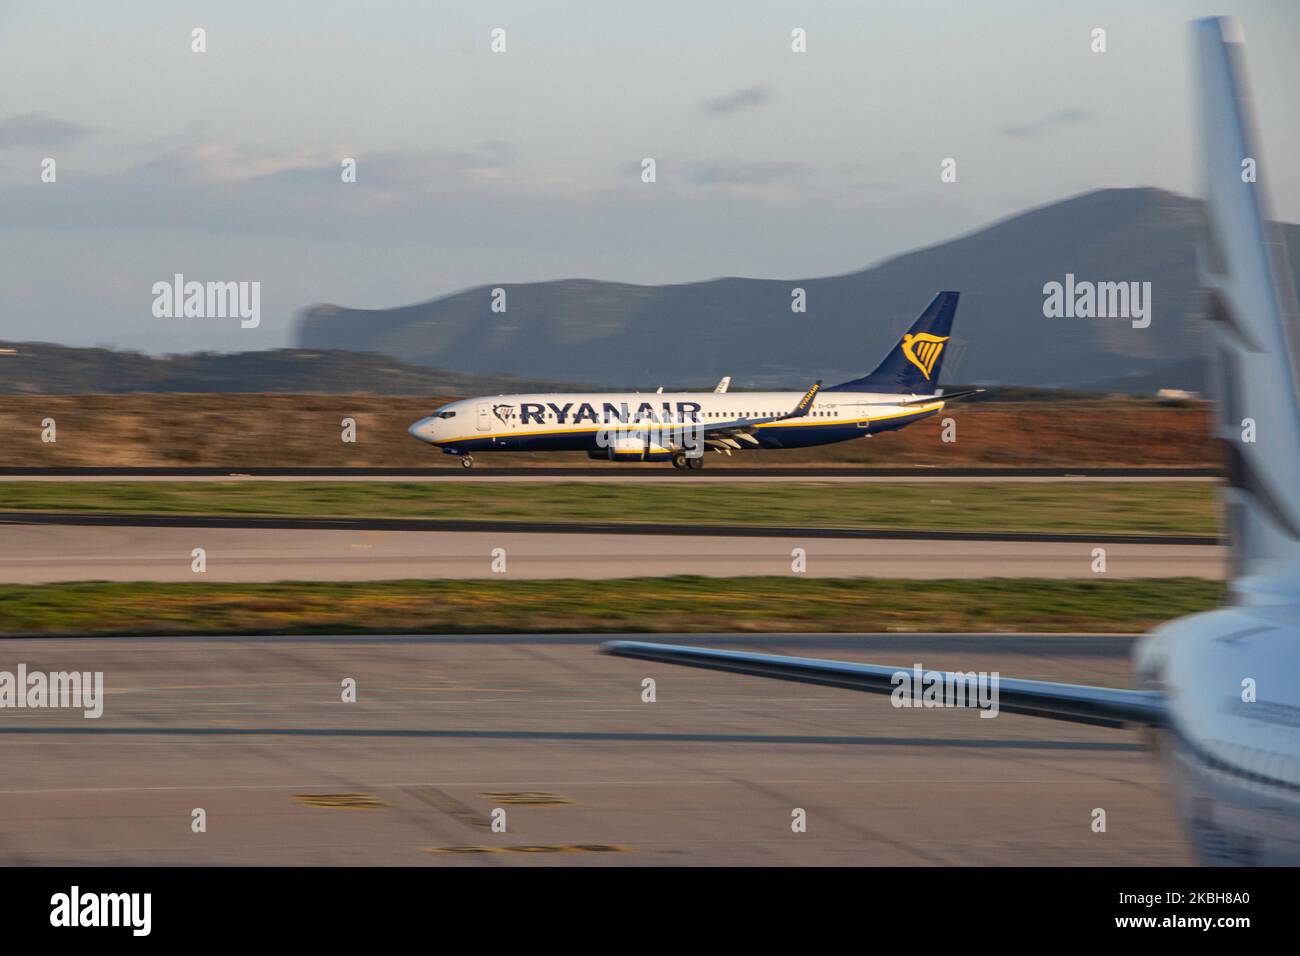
x,y
243,430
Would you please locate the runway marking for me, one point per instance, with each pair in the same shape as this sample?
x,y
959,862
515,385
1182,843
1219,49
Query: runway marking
x,y
535,848
828,471
460,812
514,526
671,783
241,686
340,801
715,737
527,798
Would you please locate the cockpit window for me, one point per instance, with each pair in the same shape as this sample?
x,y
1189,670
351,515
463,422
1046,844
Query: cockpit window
x,y
445,415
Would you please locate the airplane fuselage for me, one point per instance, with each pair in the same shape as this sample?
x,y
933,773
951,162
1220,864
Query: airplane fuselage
x,y
1231,737
586,421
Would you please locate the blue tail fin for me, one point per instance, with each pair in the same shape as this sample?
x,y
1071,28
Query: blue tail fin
x,y
912,366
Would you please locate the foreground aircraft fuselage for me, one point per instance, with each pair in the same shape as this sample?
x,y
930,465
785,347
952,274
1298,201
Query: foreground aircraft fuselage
x,y
1230,729
681,426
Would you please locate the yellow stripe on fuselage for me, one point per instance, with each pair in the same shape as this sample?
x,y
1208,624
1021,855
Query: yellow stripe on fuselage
x,y
790,423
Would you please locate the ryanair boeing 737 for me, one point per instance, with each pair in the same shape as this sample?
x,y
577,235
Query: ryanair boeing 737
x,y
679,427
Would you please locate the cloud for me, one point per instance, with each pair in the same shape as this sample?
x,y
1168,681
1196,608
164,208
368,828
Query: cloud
x,y
741,172
744,99
1065,117
207,186
38,130
207,162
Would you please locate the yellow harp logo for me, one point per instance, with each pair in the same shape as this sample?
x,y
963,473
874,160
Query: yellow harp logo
x,y
923,350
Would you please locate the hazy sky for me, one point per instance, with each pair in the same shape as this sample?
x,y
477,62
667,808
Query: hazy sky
x,y
475,167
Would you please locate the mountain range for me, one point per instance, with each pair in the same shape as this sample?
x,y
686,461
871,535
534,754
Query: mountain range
x,y
38,368
689,334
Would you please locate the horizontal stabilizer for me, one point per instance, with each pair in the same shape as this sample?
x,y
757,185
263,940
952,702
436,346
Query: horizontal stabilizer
x,y
946,397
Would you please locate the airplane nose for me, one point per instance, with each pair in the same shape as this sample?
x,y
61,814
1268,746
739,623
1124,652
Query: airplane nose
x,y
423,429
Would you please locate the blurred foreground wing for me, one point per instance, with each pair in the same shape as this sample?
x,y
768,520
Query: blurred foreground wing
x,y
1105,706
1254,320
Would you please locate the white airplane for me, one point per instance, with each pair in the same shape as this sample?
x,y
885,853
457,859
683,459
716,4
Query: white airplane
x,y
631,426
1220,691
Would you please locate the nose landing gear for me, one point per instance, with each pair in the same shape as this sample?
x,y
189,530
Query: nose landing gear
x,y
467,462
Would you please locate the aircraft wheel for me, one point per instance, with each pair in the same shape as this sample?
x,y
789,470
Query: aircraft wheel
x,y
695,463
467,462
679,461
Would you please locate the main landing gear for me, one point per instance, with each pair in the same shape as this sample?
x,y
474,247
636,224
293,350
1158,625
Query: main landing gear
x,y
682,460
467,462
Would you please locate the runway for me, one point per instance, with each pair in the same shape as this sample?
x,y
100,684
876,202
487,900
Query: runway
x,y
39,554
692,528
634,473
445,730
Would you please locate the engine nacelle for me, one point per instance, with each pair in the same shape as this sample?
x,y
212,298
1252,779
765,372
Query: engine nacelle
x,y
637,444
607,454
631,449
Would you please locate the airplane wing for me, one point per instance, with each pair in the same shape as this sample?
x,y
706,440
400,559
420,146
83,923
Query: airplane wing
x,y
727,435
722,386
1102,706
